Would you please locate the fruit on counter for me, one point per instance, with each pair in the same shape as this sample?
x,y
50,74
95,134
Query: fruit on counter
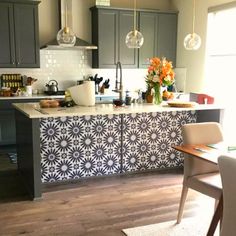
x,y
166,95
49,103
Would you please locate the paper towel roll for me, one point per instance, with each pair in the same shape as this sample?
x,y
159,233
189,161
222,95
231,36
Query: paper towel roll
x,y
83,94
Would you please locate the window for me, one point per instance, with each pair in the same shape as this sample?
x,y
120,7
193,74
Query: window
x,y
221,62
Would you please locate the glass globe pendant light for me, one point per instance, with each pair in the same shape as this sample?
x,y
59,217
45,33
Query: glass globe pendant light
x,y
134,39
192,41
65,36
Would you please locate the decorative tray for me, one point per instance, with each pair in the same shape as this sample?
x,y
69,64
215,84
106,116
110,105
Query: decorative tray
x,y
181,104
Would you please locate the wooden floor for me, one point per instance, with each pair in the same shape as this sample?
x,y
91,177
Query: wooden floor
x,y
100,207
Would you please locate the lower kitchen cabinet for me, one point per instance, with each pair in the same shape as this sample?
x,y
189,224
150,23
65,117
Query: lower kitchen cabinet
x,y
7,127
7,121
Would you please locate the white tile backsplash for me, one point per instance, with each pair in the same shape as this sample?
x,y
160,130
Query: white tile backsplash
x,y
68,66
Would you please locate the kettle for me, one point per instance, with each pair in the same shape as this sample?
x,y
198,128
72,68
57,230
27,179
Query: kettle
x,y
51,87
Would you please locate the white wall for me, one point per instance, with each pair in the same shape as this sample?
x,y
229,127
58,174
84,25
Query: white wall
x,y
48,21
193,60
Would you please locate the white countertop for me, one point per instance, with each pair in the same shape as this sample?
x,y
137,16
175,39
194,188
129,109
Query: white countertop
x,y
34,96
29,109
45,96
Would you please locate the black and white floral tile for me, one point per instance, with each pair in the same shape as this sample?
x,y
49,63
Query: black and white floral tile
x,y
148,137
75,147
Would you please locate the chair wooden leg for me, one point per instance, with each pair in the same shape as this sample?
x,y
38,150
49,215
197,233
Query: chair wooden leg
x,y
216,217
181,204
216,204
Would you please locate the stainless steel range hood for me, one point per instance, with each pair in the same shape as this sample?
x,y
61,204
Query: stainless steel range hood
x,y
80,43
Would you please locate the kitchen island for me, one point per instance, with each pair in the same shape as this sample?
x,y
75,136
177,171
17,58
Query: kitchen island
x,y
63,144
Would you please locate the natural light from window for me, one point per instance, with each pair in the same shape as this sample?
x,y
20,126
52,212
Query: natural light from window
x,y
221,64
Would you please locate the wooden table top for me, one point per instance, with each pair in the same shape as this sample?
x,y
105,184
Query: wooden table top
x,y
208,153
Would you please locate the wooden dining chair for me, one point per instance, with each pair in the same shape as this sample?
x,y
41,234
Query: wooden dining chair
x,y
227,166
198,174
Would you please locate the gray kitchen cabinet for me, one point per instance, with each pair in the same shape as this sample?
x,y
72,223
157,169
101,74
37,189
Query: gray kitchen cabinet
x,y
109,29
7,120
127,57
19,39
7,127
160,36
148,27
111,25
167,36
105,36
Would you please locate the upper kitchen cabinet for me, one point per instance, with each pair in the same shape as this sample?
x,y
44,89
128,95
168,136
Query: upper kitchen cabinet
x,y
109,29
105,36
127,57
160,36
167,36
148,27
19,39
111,25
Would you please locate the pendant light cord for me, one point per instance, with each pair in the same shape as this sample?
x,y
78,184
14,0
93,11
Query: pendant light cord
x,y
134,16
66,14
194,7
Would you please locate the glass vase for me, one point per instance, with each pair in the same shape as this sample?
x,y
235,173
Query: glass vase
x,y
157,94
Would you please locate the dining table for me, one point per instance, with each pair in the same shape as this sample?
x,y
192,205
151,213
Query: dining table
x,y
209,153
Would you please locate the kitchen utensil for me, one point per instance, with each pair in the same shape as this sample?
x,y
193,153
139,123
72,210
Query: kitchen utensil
x,y
106,83
97,82
51,87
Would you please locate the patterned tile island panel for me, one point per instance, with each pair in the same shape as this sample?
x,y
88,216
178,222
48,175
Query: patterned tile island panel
x,y
148,137
75,147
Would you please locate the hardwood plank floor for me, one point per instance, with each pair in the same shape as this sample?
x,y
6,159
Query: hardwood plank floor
x,y
99,207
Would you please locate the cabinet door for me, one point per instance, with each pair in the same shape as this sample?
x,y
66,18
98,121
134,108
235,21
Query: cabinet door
x,y
148,23
128,57
167,36
7,48
7,127
105,35
26,35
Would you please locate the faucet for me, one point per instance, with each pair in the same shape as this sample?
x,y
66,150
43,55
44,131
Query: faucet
x,y
120,89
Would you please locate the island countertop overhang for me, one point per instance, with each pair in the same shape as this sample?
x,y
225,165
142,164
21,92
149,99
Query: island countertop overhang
x,y
33,110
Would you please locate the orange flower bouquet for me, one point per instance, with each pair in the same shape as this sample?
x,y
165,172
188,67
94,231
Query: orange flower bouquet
x,y
160,73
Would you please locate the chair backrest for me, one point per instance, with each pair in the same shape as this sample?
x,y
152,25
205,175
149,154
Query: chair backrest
x,y
227,166
200,133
